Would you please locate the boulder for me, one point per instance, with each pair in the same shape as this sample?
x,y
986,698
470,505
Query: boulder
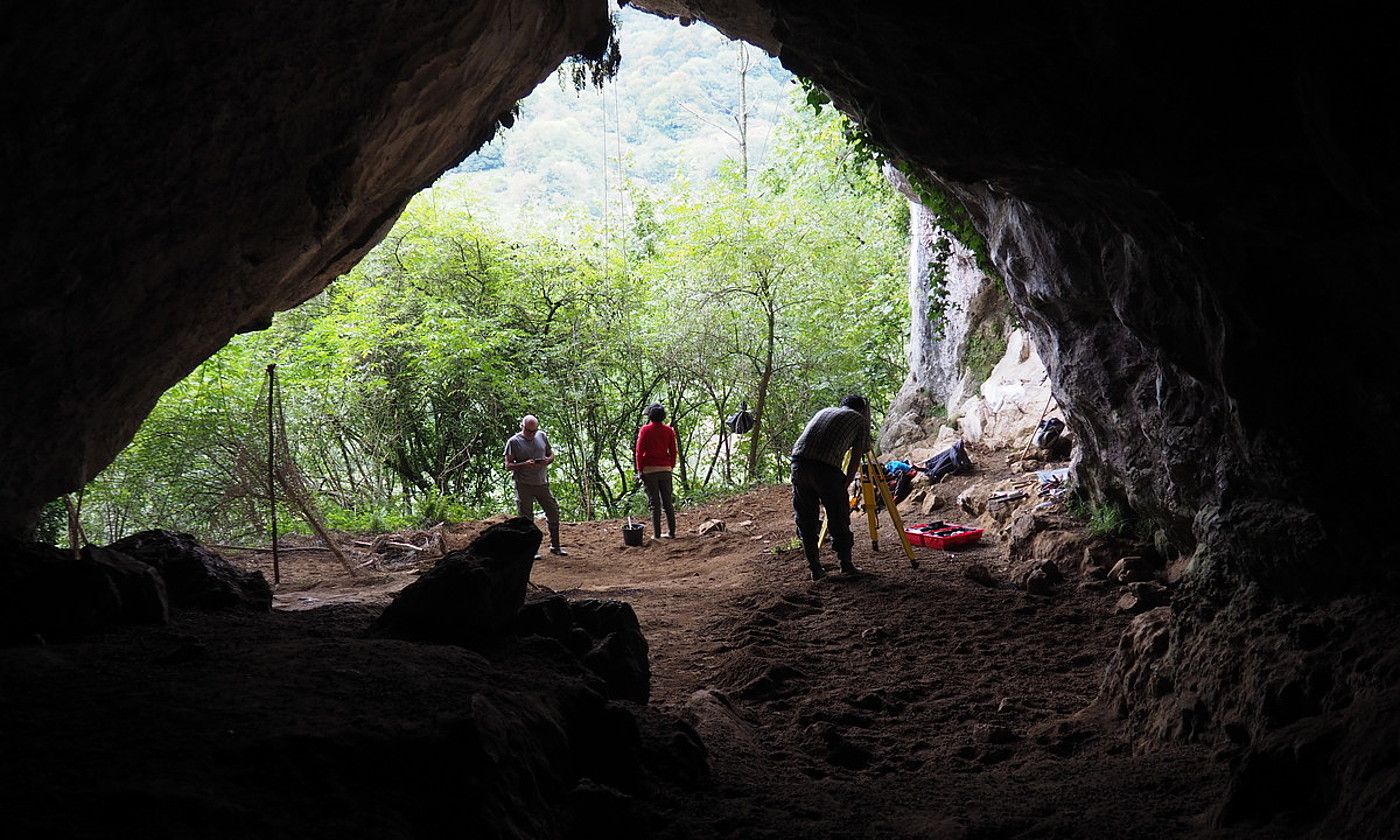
x,y
1132,569
605,636
620,660
601,616
194,576
1092,566
48,595
1038,577
973,500
1143,596
469,597
619,654
549,616
978,573
1037,583
140,586
723,728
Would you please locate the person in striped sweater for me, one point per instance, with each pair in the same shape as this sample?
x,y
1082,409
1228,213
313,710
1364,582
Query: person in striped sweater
x,y
819,478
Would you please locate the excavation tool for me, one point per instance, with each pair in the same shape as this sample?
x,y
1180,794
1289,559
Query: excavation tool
x,y
872,482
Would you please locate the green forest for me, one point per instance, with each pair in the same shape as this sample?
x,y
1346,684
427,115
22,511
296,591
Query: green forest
x,y
779,284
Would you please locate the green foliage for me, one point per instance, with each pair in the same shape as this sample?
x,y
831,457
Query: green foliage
x,y
793,544
936,283
53,523
985,347
1102,519
951,213
952,216
704,494
367,522
596,66
780,284
668,111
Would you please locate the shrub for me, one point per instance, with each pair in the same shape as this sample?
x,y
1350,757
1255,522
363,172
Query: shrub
x,y
1102,519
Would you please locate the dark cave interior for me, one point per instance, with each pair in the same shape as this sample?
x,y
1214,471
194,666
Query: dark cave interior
x,y
1194,213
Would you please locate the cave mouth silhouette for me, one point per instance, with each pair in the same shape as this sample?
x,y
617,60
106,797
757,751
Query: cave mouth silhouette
x,y
1165,200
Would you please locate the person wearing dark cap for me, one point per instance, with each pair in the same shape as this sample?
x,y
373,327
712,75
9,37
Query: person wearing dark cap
x,y
819,478
655,459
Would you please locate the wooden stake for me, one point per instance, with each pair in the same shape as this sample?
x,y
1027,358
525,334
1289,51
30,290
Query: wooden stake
x,y
1043,412
271,469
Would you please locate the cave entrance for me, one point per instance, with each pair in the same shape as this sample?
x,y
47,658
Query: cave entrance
x,y
694,228
1173,216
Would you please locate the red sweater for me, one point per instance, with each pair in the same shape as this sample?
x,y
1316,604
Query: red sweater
x,y
656,446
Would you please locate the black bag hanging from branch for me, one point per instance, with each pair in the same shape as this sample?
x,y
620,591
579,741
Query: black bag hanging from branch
x,y
741,422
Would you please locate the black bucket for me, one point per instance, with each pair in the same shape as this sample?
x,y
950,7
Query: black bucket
x,y
634,534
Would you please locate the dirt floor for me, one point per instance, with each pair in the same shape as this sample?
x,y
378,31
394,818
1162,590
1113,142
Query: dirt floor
x,y
899,703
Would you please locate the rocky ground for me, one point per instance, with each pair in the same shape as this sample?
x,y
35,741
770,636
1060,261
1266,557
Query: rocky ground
x,y
904,702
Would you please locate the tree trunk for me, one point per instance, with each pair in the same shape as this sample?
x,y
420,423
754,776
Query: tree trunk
x,y
755,436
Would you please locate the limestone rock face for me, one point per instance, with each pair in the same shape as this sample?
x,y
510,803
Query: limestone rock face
x,y
1007,406
175,177
966,319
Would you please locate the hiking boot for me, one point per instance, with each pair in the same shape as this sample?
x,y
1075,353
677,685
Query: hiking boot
x,y
848,568
554,549
817,571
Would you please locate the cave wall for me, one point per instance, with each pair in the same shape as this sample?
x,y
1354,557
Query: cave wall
x,y
177,173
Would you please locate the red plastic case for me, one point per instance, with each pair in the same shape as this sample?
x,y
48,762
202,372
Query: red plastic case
x,y
942,535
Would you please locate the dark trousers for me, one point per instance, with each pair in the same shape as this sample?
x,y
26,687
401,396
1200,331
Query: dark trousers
x,y
817,484
658,487
525,497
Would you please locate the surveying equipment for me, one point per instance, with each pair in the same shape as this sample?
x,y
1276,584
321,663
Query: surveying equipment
x,y
872,482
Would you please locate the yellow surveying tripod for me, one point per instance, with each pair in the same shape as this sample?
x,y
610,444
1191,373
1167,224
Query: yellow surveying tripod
x,y
872,481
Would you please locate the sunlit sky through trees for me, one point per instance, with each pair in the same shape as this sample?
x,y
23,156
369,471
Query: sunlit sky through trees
x,y
670,111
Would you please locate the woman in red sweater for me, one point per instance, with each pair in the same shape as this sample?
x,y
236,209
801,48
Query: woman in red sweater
x,y
655,458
